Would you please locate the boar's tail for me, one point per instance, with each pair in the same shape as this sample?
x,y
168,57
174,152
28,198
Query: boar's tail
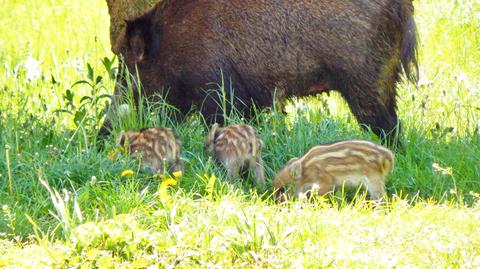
x,y
409,41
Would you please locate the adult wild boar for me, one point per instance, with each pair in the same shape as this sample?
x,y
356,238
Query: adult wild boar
x,y
277,48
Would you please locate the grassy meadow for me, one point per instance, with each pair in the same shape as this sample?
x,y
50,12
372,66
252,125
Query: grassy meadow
x,y
64,203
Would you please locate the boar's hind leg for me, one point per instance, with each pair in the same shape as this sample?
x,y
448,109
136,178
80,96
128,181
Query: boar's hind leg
x,y
374,111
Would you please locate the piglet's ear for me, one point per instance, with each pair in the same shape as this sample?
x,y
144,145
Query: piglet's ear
x,y
261,145
212,135
291,161
127,138
122,139
296,170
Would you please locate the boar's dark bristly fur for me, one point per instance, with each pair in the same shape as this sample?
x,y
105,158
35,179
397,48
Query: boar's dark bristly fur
x,y
282,48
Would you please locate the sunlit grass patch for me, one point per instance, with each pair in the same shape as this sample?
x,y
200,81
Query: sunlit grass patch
x,y
237,232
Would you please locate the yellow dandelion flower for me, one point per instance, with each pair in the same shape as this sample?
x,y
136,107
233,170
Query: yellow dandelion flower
x,y
164,177
112,154
163,190
177,174
169,182
127,173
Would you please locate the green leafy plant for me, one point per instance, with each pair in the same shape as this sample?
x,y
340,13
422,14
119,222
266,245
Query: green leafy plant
x,y
87,111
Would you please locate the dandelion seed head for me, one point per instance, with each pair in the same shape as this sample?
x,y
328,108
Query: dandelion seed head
x,y
33,69
123,110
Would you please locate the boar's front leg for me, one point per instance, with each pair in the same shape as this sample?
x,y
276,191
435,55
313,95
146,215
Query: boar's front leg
x,y
112,110
228,96
106,127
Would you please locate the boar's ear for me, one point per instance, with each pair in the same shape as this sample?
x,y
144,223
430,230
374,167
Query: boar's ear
x,y
296,169
141,37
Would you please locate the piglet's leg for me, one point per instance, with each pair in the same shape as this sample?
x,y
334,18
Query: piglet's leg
x,y
376,187
178,166
233,168
320,186
258,171
325,184
324,189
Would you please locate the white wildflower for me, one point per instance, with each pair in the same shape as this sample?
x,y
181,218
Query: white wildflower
x,y
33,69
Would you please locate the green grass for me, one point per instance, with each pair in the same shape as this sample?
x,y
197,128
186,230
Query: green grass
x,y
237,232
91,216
